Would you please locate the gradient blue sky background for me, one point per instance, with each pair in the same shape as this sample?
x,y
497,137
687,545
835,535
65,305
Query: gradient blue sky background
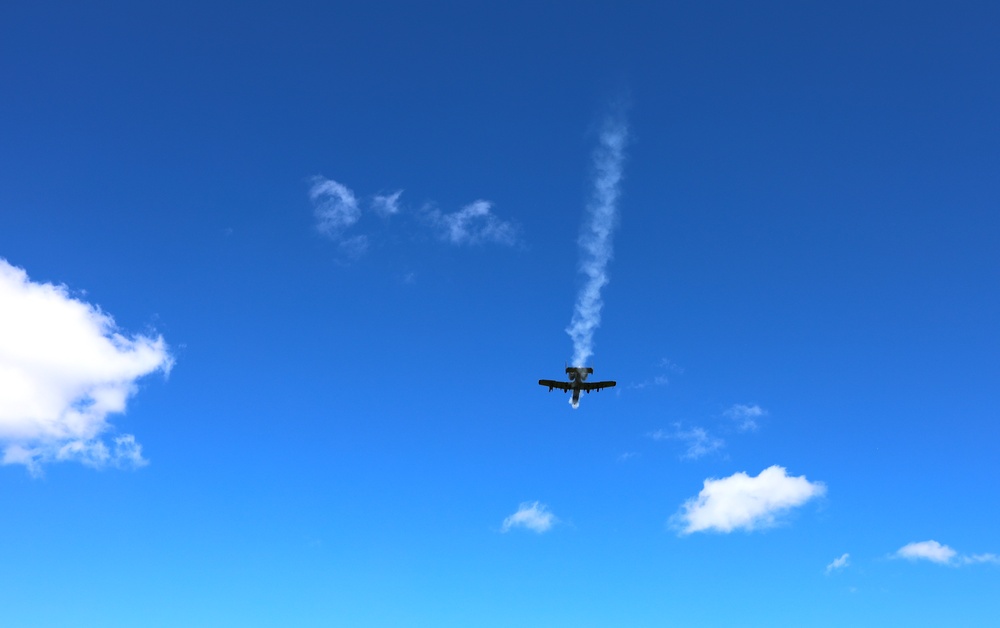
x,y
808,227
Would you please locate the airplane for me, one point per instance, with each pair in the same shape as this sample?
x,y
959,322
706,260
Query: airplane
x,y
577,382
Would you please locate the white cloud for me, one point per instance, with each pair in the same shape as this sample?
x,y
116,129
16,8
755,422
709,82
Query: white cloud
x,y
745,415
533,515
942,554
386,204
927,550
473,224
839,563
334,206
64,368
741,501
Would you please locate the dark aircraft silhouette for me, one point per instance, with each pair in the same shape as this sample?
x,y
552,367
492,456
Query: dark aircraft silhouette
x,y
577,382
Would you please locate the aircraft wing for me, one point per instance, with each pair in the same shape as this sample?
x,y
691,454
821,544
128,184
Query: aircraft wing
x,y
551,383
589,386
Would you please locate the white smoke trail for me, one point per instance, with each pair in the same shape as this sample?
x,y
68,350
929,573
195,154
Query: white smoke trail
x,y
595,238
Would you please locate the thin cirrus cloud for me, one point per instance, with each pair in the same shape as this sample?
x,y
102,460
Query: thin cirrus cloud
x,y
698,441
745,415
338,213
839,563
661,379
386,204
334,206
935,552
742,502
474,224
65,367
533,516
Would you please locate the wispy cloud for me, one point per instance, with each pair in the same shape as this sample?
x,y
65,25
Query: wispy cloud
x,y
338,212
942,554
386,204
334,205
595,240
474,224
743,502
981,558
659,380
839,563
354,247
669,365
64,368
699,443
697,440
745,415
531,515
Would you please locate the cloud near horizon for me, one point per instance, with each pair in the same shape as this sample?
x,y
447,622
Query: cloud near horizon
x,y
531,515
743,502
64,368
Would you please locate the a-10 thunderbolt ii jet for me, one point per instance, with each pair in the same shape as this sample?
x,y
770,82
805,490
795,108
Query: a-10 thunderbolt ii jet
x,y
577,382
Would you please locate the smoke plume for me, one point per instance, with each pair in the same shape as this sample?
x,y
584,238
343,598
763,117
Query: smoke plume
x,y
595,237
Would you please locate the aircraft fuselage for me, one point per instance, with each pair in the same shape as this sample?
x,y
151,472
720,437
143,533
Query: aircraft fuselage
x,y
577,376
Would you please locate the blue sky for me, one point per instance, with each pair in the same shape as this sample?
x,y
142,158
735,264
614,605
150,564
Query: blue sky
x,y
243,382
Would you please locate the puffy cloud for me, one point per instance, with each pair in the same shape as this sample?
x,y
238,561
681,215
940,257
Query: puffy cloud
x,y
839,563
942,554
64,368
741,501
473,224
927,550
745,415
533,515
334,206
